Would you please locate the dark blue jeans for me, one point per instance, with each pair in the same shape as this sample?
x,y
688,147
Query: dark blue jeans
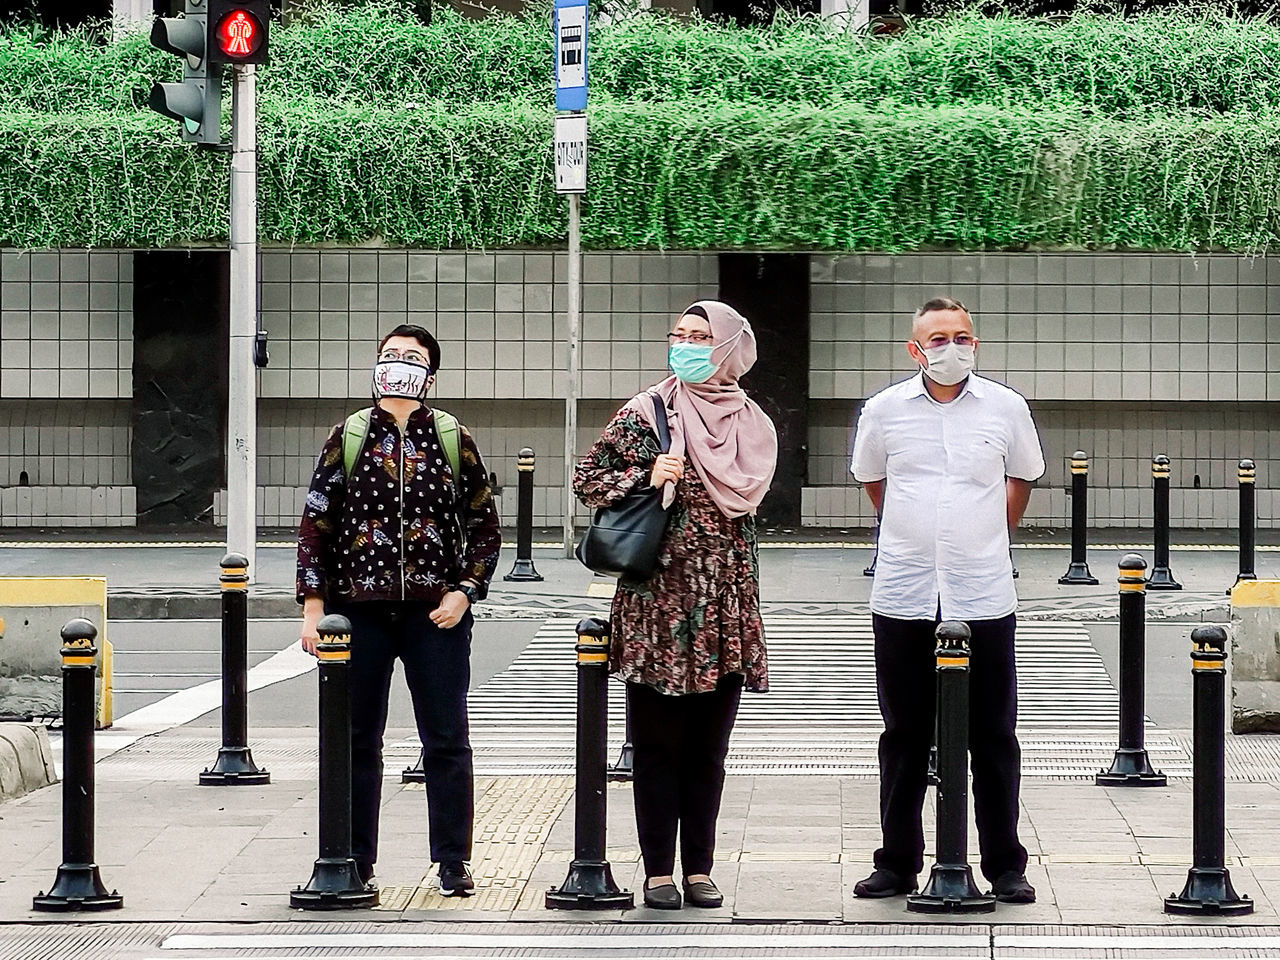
x,y
437,668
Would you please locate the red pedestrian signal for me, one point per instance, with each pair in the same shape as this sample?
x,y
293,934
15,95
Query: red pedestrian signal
x,y
238,29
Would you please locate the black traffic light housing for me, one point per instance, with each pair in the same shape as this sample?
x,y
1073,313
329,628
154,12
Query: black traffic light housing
x,y
238,31
197,101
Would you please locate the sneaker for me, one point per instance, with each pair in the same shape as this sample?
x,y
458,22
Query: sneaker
x,y
1012,887
884,883
455,879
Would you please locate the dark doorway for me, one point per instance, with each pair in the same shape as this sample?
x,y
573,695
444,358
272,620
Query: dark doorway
x,y
180,334
772,291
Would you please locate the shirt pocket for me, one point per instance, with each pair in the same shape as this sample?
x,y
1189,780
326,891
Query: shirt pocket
x,y
984,462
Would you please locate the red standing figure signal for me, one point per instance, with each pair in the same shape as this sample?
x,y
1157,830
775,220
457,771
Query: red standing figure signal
x,y
238,30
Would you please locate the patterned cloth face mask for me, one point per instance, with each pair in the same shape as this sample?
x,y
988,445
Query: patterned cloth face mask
x,y
402,379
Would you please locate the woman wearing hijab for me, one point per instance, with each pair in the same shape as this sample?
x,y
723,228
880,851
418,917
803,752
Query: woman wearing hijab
x,y
689,640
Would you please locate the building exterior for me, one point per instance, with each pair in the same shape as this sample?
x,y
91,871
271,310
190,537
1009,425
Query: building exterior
x,y
1124,356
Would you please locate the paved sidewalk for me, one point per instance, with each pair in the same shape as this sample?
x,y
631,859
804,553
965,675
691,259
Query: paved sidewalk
x,y
789,848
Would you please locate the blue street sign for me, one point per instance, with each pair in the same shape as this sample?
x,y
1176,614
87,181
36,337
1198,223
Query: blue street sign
x,y
569,26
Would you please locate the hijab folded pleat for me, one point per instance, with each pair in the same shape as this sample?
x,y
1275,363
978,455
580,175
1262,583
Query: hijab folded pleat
x,y
731,442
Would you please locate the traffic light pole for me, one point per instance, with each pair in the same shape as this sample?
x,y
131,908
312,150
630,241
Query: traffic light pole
x,y
571,388
242,393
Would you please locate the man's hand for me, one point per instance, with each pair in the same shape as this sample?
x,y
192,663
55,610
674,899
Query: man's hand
x,y
312,611
451,609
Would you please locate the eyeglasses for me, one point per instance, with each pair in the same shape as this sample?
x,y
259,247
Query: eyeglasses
x,y
411,356
689,337
960,340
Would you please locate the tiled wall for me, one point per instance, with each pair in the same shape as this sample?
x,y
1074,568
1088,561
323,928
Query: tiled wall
x,y
499,318
1058,326
66,324
1204,441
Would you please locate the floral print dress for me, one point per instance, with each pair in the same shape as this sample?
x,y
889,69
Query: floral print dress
x,y
698,617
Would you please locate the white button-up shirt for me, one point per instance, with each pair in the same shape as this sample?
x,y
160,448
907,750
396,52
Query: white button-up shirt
x,y
944,535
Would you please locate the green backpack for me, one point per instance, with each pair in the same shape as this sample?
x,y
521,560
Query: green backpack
x,y
355,431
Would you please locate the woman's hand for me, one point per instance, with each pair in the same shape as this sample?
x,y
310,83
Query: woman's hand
x,y
666,468
312,611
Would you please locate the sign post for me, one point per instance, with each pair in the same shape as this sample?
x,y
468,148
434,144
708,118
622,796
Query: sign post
x,y
569,28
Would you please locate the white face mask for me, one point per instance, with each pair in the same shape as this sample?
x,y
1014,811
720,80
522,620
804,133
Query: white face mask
x,y
949,363
400,379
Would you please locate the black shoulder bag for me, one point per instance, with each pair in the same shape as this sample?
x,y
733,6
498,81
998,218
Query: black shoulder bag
x,y
624,539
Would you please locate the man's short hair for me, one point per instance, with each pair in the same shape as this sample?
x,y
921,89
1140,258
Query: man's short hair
x,y
941,304
422,336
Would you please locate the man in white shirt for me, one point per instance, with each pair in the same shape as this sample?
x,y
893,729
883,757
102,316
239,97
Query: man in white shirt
x,y
948,459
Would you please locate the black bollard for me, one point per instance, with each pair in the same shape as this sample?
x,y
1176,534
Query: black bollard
x,y
77,885
1161,576
1208,889
418,772
1078,569
523,569
870,570
1131,767
234,764
951,888
335,883
1246,476
589,884
624,768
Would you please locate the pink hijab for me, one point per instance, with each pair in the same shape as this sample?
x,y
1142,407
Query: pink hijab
x,y
732,442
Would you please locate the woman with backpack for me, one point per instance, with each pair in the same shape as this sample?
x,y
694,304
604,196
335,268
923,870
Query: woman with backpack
x,y
400,535
689,640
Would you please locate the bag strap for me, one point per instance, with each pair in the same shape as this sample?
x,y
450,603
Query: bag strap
x,y
355,431
660,423
447,429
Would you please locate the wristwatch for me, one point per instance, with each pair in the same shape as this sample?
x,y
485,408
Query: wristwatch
x,y
470,592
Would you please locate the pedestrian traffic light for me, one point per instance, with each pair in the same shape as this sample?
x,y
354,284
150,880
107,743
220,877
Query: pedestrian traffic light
x,y
238,30
197,100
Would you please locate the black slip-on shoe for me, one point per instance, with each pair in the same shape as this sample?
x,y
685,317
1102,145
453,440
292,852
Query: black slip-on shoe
x,y
662,897
884,883
364,870
703,893
455,879
1012,887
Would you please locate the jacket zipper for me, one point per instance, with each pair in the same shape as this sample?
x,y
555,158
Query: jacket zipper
x,y
400,494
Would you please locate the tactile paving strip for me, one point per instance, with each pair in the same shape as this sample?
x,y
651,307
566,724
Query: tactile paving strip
x,y
514,817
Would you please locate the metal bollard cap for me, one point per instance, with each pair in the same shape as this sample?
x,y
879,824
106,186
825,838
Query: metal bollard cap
x,y
77,642
1160,467
1079,462
1131,577
1246,472
593,627
953,638
334,631
233,560
1208,648
235,572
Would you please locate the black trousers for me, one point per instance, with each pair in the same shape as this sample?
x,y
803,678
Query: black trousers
x,y
437,668
906,686
680,745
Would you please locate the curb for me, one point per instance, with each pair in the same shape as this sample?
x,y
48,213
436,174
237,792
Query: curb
x,y
26,759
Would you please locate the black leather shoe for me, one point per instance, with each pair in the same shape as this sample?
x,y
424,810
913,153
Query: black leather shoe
x,y
1012,887
364,870
884,883
455,879
664,897
703,893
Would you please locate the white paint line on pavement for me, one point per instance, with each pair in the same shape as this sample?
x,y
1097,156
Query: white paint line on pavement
x,y
185,705
585,941
1175,941
858,953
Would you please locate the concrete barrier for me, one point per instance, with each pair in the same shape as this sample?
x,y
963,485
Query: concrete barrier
x,y
26,759
1255,656
33,611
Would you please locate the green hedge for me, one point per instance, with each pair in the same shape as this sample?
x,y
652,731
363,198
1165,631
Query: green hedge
x,y
662,175
1157,132
381,56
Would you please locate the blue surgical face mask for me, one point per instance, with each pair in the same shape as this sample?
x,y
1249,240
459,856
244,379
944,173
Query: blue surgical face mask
x,y
691,362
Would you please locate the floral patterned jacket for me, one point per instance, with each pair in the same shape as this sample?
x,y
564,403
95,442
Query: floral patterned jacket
x,y
392,530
